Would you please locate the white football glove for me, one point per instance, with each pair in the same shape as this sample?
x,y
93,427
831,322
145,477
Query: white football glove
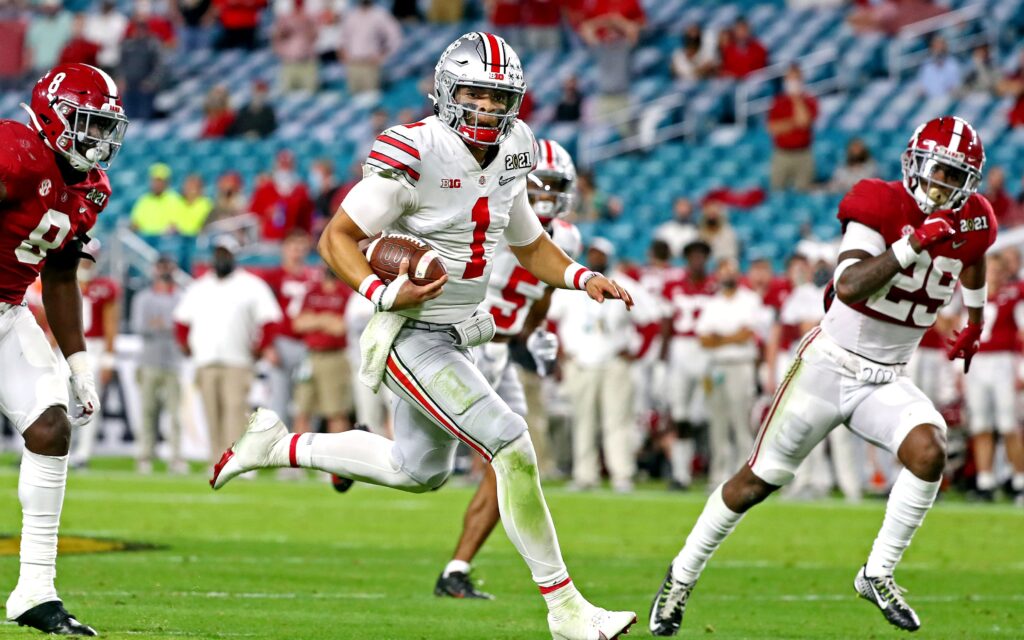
x,y
543,346
83,385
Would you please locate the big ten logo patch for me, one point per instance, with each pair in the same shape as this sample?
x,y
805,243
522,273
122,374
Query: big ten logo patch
x,y
451,183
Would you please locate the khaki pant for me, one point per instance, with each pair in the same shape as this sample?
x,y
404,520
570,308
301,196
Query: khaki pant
x,y
537,419
328,390
362,76
445,10
300,76
602,402
730,402
160,393
224,390
792,168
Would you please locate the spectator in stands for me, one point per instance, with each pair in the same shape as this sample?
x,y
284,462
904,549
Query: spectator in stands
x,y
256,119
369,36
229,201
158,212
1003,205
791,124
681,229
221,323
13,25
718,233
591,199
141,74
79,48
940,75
196,206
440,11
47,34
858,165
506,18
324,186
293,38
159,26
570,105
159,366
239,22
328,33
1013,86
219,116
889,16
542,24
368,130
282,201
195,19
611,29
106,28
741,52
693,60
982,75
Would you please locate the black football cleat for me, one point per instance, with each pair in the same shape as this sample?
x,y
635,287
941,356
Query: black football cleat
x,y
669,606
885,594
341,485
53,618
458,585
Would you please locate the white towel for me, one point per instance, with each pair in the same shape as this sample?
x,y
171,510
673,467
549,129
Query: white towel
x,y
375,345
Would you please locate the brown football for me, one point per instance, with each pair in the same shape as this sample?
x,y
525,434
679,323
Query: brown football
x,y
385,255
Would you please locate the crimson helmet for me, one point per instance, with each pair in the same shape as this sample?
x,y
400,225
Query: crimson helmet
x,y
551,186
77,110
950,147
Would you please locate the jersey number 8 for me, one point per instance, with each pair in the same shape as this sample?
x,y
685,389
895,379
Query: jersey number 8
x,y
48,234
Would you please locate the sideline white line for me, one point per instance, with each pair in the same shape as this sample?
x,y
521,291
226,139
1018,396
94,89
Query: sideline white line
x,y
229,595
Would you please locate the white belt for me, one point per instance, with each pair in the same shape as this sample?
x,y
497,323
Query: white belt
x,y
859,367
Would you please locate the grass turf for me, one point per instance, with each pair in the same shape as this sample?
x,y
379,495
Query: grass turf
x,y
269,559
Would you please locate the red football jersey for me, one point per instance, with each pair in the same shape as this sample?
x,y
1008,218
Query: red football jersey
x,y
319,300
1001,329
97,295
688,298
41,211
291,290
933,339
778,290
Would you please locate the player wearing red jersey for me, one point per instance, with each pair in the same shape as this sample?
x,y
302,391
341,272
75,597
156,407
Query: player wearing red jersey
x,y
52,187
905,245
990,387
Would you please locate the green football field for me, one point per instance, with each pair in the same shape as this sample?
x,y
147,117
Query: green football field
x,y
294,560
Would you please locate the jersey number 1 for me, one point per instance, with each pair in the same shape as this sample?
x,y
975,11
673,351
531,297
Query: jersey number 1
x,y
48,234
481,220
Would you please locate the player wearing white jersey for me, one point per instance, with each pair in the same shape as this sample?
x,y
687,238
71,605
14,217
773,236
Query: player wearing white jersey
x,y
905,245
458,181
518,301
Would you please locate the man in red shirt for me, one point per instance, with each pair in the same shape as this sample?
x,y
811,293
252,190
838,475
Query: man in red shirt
x,y
791,123
239,20
541,21
741,52
282,201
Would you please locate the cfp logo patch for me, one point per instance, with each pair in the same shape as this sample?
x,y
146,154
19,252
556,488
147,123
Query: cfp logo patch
x,y
97,197
976,223
522,160
451,183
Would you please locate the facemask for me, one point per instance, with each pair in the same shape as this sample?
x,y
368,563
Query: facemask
x,y
822,276
223,266
284,181
166,277
792,87
728,283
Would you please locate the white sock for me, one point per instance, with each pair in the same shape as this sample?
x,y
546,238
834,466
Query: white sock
x,y
527,521
358,455
456,566
1018,482
909,502
680,455
713,526
41,492
986,481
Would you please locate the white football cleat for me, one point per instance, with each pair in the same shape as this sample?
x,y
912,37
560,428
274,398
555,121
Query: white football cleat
x,y
587,622
253,450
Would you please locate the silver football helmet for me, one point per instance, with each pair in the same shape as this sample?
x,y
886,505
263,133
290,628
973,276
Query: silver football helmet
x,y
485,61
551,187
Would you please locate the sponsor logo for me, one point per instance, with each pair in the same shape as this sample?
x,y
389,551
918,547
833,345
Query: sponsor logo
x,y
505,180
957,245
44,187
451,183
522,160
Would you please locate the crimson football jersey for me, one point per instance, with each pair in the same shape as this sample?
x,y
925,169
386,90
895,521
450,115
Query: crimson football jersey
x,y
888,325
1003,314
291,290
688,298
321,300
41,212
97,295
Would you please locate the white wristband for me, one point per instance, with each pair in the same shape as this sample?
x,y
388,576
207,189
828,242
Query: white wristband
x,y
107,360
372,288
80,363
576,276
390,292
905,254
975,298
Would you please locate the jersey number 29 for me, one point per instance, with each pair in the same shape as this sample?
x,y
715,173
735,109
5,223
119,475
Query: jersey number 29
x,y
915,299
48,234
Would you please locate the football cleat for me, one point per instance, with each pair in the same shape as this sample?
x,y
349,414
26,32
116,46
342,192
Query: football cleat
x,y
341,485
458,585
253,450
52,618
669,606
583,621
885,594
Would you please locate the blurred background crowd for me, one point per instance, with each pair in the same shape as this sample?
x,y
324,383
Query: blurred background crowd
x,y
713,139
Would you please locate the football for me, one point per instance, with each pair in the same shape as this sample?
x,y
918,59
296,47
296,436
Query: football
x,y
385,255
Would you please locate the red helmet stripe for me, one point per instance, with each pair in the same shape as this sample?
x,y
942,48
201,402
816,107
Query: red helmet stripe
x,y
549,157
495,53
958,130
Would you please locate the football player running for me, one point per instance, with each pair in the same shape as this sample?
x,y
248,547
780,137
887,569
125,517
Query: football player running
x,y
519,302
52,187
905,245
457,180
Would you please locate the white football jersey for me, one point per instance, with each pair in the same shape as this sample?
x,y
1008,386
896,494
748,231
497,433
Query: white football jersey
x,y
459,208
513,290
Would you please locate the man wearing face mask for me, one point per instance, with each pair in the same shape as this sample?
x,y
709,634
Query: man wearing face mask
x,y
282,200
791,125
222,322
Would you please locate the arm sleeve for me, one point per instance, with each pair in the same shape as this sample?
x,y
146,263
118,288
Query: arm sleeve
x,y
267,310
523,225
860,237
377,201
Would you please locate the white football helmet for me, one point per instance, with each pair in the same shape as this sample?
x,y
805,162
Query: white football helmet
x,y
483,60
551,187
